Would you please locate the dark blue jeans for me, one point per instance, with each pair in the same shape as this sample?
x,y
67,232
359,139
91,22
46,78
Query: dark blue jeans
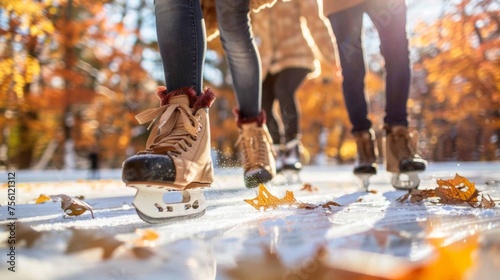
x,y
182,41
389,18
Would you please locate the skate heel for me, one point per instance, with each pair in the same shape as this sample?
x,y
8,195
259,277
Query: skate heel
x,y
157,204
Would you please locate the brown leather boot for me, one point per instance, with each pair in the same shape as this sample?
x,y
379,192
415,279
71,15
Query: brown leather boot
x,y
255,146
367,152
177,152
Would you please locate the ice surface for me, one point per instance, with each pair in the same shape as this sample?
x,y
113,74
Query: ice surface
x,y
205,247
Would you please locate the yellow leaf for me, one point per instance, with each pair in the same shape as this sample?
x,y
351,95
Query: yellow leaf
x,y
147,238
457,190
42,199
266,200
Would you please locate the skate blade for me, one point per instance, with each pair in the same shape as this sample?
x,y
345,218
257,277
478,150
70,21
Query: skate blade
x,y
156,206
405,181
365,180
287,177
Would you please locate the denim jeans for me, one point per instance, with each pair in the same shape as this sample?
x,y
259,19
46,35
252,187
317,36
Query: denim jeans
x,y
182,41
389,18
282,87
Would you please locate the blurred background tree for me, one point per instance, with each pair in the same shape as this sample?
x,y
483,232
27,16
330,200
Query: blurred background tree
x,y
74,73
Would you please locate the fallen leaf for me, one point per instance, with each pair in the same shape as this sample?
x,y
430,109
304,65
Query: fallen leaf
x,y
147,238
86,239
329,204
457,191
142,252
309,188
70,205
23,232
373,191
451,261
266,200
42,199
267,267
487,202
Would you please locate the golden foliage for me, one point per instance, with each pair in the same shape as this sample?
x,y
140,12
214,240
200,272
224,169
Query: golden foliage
x,y
458,190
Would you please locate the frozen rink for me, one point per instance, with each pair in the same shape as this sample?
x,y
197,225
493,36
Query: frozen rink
x,y
232,230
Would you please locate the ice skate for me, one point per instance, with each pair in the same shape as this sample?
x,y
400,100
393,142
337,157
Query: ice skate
x,y
176,163
366,165
292,163
255,145
278,152
402,159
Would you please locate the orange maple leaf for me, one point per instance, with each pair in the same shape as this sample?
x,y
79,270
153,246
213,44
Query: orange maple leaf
x,y
266,200
456,191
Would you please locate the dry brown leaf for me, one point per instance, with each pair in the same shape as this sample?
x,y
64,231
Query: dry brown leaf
x,y
267,267
457,191
24,233
70,205
142,252
308,206
266,200
309,188
373,191
86,239
487,202
452,261
329,204
417,195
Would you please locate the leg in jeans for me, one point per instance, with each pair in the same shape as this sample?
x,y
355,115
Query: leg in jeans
x,y
285,88
389,17
181,38
268,98
347,26
241,53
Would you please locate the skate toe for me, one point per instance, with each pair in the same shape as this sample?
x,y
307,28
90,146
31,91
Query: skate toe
x,y
149,168
257,176
412,165
365,169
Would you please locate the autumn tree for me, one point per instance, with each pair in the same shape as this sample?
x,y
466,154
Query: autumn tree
x,y
459,95
57,59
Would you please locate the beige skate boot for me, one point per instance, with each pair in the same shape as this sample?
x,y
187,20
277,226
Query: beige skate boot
x,y
401,158
176,158
366,165
255,145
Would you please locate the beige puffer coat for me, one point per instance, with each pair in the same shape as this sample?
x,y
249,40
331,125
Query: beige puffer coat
x,y
209,13
333,6
280,38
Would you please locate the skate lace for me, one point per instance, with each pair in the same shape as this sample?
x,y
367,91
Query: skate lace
x,y
366,150
402,148
174,127
253,148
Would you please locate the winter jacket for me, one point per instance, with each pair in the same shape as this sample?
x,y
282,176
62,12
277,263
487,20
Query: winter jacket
x,y
280,38
209,13
333,6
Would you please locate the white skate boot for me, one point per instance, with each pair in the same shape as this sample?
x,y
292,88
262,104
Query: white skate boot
x,y
176,163
366,162
292,161
402,159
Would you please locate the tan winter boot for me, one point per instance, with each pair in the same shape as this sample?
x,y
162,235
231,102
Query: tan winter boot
x,y
367,152
366,161
255,146
402,158
177,155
